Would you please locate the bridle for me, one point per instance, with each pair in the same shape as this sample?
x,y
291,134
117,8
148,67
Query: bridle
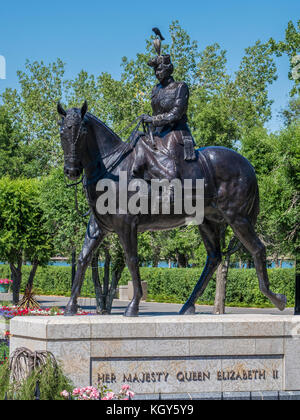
x,y
131,141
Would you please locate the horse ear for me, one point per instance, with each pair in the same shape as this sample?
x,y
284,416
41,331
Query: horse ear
x,y
60,110
84,109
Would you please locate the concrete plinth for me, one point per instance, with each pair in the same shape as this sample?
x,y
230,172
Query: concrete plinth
x,y
131,290
171,355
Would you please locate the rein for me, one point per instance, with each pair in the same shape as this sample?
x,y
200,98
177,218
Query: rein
x,y
129,145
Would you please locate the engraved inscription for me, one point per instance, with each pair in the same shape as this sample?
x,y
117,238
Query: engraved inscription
x,y
190,374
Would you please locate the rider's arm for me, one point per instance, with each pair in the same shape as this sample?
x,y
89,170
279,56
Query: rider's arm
x,y
178,110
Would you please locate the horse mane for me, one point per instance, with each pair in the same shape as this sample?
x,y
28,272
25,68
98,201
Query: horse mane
x,y
103,125
118,153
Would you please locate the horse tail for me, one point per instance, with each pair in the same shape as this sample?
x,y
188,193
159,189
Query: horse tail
x,y
253,213
254,209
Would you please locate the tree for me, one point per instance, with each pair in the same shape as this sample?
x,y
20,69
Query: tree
x,y
257,71
9,146
112,253
63,222
32,111
23,233
290,46
292,113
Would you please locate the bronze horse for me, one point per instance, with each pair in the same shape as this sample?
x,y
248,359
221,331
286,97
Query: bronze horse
x,y
231,198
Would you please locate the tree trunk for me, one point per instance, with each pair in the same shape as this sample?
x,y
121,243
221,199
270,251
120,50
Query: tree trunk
x,y
181,260
106,278
16,273
32,275
96,281
116,276
220,297
73,266
297,280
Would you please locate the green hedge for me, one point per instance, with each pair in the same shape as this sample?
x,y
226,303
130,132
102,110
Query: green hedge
x,y
176,285
173,285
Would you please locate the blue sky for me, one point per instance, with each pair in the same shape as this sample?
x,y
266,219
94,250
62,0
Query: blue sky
x,y
94,35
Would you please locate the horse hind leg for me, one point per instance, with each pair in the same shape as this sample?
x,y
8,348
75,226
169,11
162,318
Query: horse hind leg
x,y
210,233
245,232
128,239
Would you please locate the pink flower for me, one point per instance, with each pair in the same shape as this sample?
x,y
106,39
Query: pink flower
x,y
110,395
125,387
76,391
65,394
130,394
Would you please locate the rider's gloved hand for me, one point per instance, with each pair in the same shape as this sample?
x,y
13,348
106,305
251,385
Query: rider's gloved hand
x,y
146,118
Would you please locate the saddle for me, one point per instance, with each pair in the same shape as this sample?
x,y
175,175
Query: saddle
x,y
156,161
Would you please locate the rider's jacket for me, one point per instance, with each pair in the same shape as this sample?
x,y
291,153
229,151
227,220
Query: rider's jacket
x,y
170,104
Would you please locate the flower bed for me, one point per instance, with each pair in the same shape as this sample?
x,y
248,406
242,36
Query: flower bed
x,y
5,281
102,393
9,312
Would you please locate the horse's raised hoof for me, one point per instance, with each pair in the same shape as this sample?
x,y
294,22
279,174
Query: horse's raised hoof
x,y
188,309
281,302
71,310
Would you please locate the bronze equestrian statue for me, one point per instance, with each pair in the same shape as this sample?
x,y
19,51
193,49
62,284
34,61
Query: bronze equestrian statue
x,y
230,196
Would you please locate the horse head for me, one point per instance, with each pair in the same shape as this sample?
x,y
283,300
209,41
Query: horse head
x,y
72,133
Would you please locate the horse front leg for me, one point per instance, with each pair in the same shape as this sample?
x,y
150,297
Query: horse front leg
x,y
128,239
93,239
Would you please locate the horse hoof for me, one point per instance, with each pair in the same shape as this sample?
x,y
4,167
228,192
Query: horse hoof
x,y
71,310
131,312
188,310
281,302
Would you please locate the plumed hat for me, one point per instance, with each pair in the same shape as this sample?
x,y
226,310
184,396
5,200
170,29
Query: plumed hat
x,y
160,59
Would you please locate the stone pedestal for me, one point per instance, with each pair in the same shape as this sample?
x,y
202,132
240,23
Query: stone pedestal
x,y
144,287
171,355
123,293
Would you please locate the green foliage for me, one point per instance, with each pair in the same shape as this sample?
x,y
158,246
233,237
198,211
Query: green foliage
x,y
257,70
61,218
9,146
4,379
276,160
173,285
22,230
258,148
176,285
291,114
53,280
32,109
52,382
291,47
4,349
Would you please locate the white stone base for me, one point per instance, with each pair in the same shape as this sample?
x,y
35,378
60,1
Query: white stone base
x,y
171,354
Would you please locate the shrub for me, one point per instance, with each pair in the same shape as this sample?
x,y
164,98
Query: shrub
x,y
172,285
51,381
